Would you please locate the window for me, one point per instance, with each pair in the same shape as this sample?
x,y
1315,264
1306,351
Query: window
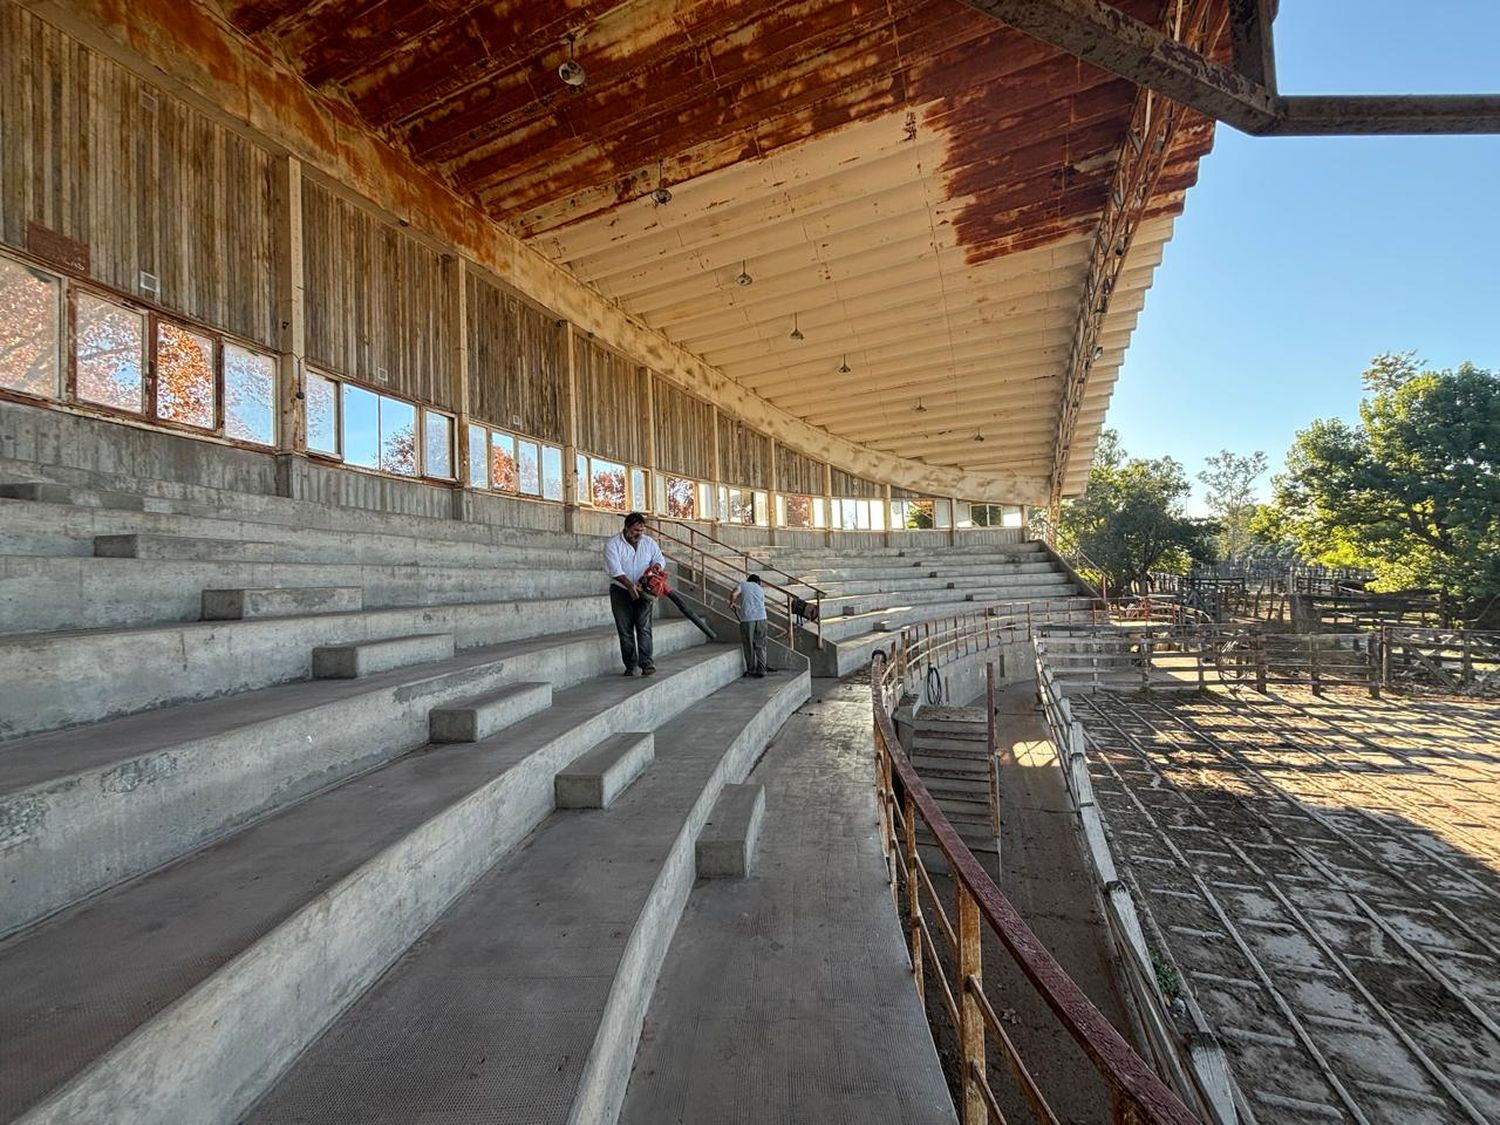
x,y
528,468
30,304
398,437
250,396
322,414
942,514
739,506
109,348
502,462
552,473
185,377
877,515
762,509
607,484
437,444
360,414
681,496
796,511
914,515
638,493
479,462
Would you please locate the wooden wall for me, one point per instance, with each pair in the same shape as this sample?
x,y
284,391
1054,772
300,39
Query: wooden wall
x,y
147,184
517,363
613,413
684,433
376,298
844,484
798,474
744,454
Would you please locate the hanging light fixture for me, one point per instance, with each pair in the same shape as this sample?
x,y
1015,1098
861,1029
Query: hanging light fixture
x,y
978,436
796,332
1098,353
844,366
744,278
661,196
919,408
571,71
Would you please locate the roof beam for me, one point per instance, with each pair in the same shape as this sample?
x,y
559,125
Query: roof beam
x,y
1108,38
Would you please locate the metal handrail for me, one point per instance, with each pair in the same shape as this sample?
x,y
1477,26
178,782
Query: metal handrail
x,y
731,570
1139,1095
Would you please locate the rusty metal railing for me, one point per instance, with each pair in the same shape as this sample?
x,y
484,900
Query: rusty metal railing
x,y
1138,1094
718,563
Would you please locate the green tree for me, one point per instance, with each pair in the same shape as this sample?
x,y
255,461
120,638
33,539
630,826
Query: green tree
x,y
1130,521
1231,482
1413,491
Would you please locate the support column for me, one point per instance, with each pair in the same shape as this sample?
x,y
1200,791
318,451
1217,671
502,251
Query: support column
x,y
650,439
828,505
455,278
718,467
771,495
291,330
889,538
571,483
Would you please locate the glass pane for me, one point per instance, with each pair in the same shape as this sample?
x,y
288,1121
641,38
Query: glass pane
x,y
29,337
848,515
762,509
502,462
819,511
581,469
968,515
322,414
1013,515
862,515
529,468
110,346
877,515
798,511
437,444
607,484
398,436
706,508
740,507
942,514
249,395
681,494
479,463
552,474
184,376
919,514
638,489
361,418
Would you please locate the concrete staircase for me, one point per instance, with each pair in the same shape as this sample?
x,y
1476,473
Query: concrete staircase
x,y
950,750
280,828
871,593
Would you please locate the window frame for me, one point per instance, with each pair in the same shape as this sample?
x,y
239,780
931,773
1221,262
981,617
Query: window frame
x,y
62,333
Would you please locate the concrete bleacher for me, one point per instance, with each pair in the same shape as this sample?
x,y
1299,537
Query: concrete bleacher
x,y
870,592
258,755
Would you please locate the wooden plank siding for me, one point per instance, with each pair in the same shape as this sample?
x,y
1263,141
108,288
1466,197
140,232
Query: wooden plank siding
x,y
684,433
612,405
798,474
144,181
375,300
845,484
744,455
517,365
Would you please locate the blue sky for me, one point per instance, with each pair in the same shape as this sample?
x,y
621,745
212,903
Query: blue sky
x,y
1298,259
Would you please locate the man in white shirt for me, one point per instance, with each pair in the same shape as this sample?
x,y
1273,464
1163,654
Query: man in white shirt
x,y
749,602
626,557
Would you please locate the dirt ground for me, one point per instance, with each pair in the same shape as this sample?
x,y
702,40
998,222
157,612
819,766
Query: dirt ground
x,y
1322,878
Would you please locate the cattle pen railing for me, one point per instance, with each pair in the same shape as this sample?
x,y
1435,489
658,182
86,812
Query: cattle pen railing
x,y
1138,1095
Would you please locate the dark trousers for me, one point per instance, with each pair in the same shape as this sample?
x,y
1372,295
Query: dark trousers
x,y
753,645
633,623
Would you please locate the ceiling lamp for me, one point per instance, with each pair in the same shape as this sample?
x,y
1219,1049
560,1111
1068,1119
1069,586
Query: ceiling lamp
x,y
919,408
844,366
571,71
661,196
978,436
744,278
796,332
1098,353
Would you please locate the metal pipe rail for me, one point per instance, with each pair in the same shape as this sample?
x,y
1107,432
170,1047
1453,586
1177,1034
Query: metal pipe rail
x,y
1139,1096
730,565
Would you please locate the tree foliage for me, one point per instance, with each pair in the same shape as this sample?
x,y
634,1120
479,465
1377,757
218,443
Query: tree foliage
x,y
1413,491
1231,482
1130,521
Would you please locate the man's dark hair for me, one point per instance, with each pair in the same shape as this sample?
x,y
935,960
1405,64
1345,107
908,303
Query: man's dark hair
x,y
634,518
753,578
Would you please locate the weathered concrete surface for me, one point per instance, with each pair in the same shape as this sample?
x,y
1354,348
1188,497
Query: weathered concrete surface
x,y
223,967
369,658
280,601
787,997
597,777
726,846
524,1002
473,719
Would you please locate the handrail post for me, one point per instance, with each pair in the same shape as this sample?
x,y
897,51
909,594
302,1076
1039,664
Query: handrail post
x,y
971,1020
914,897
992,743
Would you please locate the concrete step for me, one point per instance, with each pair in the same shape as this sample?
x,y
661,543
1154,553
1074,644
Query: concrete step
x,y
839,629
41,492
967,729
477,718
282,601
959,745
39,594
85,808
526,1000
952,768
964,808
224,967
368,658
726,846
596,778
194,548
964,788
49,681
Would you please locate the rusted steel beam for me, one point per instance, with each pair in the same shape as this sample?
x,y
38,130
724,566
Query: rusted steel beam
x,y
1112,40
1375,114
1250,36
